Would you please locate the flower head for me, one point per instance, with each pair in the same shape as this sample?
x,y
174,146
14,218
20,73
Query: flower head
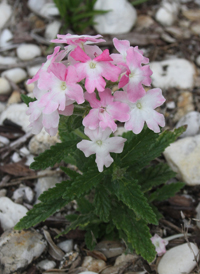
x,y
159,244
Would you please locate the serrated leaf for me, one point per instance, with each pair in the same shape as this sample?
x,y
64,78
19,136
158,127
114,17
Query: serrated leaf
x,y
71,173
129,192
84,206
53,155
102,203
154,176
26,99
91,235
166,192
40,213
137,232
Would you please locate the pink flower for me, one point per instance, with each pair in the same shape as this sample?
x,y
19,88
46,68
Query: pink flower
x,y
77,40
105,111
61,82
101,145
143,110
95,69
159,244
136,75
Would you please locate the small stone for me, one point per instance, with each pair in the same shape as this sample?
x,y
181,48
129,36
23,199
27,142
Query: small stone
x,y
192,15
3,192
110,248
7,60
14,98
16,75
5,38
33,70
125,258
45,8
4,141
198,61
167,13
29,87
23,193
24,151
94,265
192,120
10,213
183,156
5,87
5,13
17,114
18,248
41,142
195,28
30,160
45,183
28,51
174,73
46,264
184,104
179,259
144,22
15,157
120,19
171,105
52,30
66,246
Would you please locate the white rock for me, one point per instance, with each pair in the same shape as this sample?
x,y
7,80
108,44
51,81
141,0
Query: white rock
x,y
46,264
17,114
4,141
14,98
178,73
3,192
52,30
29,87
28,51
30,160
5,87
5,13
41,142
33,70
171,105
19,248
183,156
167,13
178,260
16,74
198,60
192,120
7,60
10,213
45,8
120,20
15,157
92,264
5,38
45,183
24,151
66,246
24,193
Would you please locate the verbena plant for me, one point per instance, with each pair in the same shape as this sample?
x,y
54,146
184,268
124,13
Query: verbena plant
x,y
73,96
77,15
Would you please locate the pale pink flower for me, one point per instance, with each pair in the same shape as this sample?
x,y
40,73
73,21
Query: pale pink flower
x,y
77,40
121,46
136,75
101,145
159,244
143,110
105,111
95,69
61,82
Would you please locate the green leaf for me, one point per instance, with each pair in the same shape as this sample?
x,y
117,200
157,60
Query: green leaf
x,y
166,192
26,99
91,235
154,175
70,172
84,206
83,184
102,203
53,155
40,213
137,232
129,192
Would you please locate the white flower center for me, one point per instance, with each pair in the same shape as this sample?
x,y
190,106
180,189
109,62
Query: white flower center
x,y
99,143
63,86
131,75
139,105
92,65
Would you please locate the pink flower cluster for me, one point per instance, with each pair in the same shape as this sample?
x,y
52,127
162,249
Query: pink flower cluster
x,y
81,71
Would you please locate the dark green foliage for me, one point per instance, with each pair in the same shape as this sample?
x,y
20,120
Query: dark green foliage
x,y
26,99
77,14
102,203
